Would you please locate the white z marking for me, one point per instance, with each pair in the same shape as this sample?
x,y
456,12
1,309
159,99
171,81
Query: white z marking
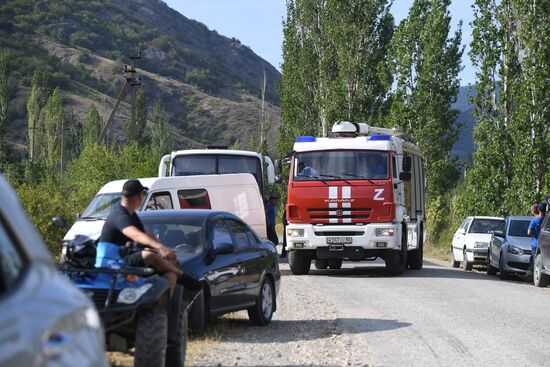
x,y
378,195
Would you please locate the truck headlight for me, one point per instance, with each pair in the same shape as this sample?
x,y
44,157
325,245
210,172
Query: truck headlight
x,y
515,250
292,232
384,232
131,295
481,245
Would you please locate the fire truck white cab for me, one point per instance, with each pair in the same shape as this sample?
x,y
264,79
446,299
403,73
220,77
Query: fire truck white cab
x,y
355,195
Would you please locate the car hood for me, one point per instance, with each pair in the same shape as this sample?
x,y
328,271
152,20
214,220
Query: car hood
x,y
89,228
478,237
521,242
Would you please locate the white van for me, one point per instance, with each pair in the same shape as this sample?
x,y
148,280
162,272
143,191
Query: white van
x,y
235,193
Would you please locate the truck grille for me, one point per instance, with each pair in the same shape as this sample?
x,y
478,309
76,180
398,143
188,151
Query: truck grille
x,y
323,215
335,233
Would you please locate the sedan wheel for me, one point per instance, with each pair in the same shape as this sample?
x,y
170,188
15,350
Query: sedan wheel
x,y
491,270
261,313
502,273
466,264
454,263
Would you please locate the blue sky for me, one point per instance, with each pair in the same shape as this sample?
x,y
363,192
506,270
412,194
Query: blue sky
x,y
258,23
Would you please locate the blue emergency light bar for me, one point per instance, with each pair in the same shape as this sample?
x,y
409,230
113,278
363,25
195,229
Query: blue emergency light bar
x,y
380,138
306,139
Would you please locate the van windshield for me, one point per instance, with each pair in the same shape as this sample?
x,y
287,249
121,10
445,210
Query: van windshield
x,y
101,206
214,164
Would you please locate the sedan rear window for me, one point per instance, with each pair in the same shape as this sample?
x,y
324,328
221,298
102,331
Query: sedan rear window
x,y
480,225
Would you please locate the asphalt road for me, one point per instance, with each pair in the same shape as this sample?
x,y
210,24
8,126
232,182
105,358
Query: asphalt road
x,y
439,316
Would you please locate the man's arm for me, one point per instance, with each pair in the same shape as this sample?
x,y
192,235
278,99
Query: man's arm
x,y
133,233
531,229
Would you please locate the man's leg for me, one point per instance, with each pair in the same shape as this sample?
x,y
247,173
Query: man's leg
x,y
171,273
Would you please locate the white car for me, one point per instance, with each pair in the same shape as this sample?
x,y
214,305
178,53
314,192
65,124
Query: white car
x,y
471,241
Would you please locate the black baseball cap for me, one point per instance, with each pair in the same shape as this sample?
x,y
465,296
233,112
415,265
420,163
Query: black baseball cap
x,y
132,188
273,196
542,207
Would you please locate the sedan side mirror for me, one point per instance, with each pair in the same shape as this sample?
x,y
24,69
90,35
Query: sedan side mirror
x,y
224,248
499,234
59,222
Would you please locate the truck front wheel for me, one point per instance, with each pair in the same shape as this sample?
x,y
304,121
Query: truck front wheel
x,y
396,260
416,257
299,262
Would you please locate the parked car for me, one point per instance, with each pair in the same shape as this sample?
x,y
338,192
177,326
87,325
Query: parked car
x,y
46,320
471,241
235,193
510,248
541,272
238,269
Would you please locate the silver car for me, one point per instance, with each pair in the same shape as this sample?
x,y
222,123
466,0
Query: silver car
x,y
45,320
510,248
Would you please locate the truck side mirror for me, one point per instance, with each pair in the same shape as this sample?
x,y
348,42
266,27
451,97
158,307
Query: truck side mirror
x,y
405,176
407,163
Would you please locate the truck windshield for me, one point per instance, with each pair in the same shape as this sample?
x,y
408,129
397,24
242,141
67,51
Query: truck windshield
x,y
212,164
341,165
101,206
518,228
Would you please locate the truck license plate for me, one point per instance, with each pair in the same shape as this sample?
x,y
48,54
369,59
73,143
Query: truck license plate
x,y
339,240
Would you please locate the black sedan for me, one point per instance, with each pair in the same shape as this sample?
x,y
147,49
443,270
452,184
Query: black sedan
x,y
238,269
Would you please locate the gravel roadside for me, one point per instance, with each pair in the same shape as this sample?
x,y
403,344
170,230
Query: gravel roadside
x,y
305,331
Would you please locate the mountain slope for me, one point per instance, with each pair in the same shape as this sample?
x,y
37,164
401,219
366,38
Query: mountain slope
x,y
209,84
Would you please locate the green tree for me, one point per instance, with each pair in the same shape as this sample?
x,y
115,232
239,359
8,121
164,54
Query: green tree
x,y
52,117
35,103
160,133
92,125
5,61
427,63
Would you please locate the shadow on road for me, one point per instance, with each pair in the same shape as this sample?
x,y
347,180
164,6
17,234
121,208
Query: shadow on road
x,y
430,270
239,330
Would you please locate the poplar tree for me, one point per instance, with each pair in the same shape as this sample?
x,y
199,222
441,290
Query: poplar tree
x,y
160,132
35,103
141,117
92,126
52,117
427,61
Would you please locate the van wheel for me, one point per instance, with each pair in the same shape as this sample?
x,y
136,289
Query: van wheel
x,y
321,264
151,337
396,260
335,264
540,279
299,262
465,263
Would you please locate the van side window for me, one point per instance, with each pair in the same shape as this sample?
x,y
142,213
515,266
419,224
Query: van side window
x,y
394,166
11,262
160,200
194,199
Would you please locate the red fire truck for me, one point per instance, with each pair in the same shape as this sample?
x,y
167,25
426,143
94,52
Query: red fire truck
x,y
355,195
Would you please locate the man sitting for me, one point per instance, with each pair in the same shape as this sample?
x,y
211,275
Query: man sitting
x,y
124,225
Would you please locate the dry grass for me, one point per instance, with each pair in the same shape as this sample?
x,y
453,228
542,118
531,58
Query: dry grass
x,y
437,251
196,347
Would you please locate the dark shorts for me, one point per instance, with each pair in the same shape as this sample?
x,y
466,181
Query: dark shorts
x,y
135,260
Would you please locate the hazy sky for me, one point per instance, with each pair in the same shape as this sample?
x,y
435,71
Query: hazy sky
x,y
258,23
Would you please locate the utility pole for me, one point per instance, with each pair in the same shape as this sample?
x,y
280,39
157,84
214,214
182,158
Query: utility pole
x,y
131,81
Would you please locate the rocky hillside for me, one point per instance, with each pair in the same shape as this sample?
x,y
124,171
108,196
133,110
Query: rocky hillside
x,y
209,84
